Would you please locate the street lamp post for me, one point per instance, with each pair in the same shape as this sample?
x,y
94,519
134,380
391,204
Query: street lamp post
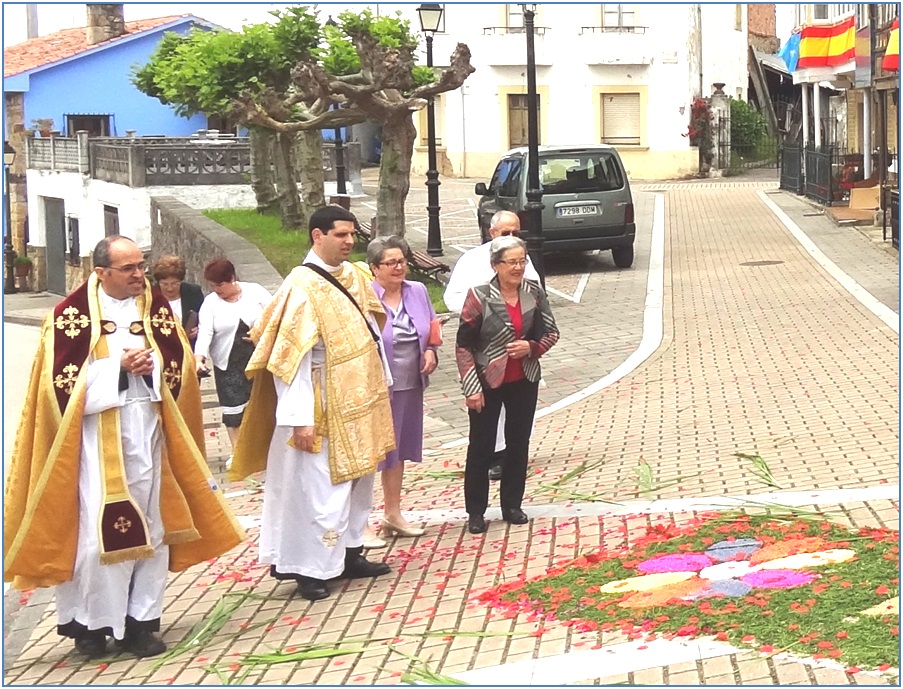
x,y
533,207
430,19
9,254
340,187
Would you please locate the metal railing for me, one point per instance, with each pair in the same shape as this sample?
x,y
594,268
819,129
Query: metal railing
x,y
792,168
612,29
822,166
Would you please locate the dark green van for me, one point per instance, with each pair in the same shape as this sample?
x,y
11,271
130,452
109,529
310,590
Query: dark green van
x,y
585,194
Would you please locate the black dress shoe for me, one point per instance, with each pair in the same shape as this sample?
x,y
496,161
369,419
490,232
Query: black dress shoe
x,y
476,524
515,516
359,567
312,589
142,643
495,472
92,644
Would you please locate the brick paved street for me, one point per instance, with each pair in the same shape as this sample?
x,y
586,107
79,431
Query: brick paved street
x,y
763,351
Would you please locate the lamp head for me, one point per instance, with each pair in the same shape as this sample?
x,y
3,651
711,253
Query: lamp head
x,y
530,7
331,21
430,16
9,154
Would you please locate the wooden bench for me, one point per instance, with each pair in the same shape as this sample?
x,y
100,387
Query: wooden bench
x,y
420,260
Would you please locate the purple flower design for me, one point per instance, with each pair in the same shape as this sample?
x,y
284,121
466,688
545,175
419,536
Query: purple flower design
x,y
778,578
677,562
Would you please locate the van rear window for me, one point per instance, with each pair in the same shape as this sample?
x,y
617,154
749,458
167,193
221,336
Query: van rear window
x,y
575,173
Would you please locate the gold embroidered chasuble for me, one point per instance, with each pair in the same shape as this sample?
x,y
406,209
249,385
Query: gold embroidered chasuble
x,y
356,417
42,491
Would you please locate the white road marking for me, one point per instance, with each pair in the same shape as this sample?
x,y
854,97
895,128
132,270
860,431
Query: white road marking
x,y
863,296
653,326
616,659
709,503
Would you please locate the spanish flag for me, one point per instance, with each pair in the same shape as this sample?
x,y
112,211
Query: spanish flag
x,y
891,61
828,45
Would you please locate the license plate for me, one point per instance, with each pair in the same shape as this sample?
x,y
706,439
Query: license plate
x,y
576,210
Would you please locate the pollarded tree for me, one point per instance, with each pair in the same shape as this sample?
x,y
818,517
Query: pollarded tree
x,y
366,64
206,71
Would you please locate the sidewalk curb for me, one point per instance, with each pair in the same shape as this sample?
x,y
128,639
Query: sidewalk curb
x,y
19,319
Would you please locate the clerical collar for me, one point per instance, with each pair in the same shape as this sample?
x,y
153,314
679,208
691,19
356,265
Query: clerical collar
x,y
113,301
313,258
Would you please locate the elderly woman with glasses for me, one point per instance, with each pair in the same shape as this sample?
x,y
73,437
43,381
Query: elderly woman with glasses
x,y
411,357
185,298
506,326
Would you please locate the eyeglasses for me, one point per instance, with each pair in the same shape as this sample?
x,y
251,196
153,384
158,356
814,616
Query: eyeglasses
x,y
509,233
129,268
392,265
515,262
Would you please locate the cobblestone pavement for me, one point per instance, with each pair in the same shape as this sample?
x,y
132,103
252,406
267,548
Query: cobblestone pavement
x,y
762,351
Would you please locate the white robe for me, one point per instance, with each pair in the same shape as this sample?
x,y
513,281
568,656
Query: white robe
x,y
471,270
307,521
99,595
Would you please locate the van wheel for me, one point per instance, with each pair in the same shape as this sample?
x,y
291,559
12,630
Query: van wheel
x,y
623,256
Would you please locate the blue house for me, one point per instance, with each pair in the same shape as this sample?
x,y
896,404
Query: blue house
x,y
80,78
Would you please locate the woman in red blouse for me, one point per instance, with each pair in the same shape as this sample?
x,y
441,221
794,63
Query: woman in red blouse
x,y
505,327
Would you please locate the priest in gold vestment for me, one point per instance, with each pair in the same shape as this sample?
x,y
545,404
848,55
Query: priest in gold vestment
x,y
108,487
319,414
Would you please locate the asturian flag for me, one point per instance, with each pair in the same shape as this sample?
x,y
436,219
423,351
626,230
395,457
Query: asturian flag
x,y
828,45
891,61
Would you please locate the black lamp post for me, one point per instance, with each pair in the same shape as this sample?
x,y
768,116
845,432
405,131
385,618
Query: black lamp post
x,y
340,187
533,207
9,254
430,19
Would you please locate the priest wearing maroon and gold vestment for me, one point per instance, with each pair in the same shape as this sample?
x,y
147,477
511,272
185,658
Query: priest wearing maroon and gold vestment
x,y
109,487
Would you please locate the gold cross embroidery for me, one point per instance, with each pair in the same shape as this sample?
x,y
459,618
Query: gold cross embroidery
x,y
71,371
172,376
330,538
73,322
122,525
163,320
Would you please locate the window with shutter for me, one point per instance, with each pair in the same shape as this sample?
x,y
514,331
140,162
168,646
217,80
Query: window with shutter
x,y
439,111
621,119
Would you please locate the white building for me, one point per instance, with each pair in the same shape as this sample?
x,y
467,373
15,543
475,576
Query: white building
x,y
620,74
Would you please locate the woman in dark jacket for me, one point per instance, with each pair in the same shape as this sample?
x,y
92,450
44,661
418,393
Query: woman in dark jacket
x,y
184,297
505,327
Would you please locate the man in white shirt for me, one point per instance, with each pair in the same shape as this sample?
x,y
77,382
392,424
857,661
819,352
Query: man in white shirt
x,y
472,269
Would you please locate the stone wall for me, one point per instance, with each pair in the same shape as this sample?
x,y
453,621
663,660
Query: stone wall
x,y
184,231
15,126
762,27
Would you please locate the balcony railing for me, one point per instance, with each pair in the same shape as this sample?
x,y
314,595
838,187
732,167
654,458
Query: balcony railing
x,y
612,29
501,30
139,162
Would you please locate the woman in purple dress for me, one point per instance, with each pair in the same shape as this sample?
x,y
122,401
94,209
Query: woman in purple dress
x,y
405,341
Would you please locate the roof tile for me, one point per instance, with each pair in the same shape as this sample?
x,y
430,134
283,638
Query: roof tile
x,y
53,47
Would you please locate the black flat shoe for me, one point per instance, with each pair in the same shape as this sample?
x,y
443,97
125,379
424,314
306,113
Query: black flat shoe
x,y
92,644
142,643
515,516
361,568
476,524
312,589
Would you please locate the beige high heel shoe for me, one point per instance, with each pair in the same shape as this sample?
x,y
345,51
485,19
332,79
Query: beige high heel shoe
x,y
391,529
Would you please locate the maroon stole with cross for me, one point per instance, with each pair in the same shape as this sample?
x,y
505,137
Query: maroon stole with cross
x,y
80,335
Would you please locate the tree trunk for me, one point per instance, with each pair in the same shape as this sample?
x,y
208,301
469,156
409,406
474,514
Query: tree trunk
x,y
398,136
289,199
310,171
262,141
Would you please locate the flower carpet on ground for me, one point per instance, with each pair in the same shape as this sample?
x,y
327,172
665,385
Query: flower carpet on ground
x,y
807,587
